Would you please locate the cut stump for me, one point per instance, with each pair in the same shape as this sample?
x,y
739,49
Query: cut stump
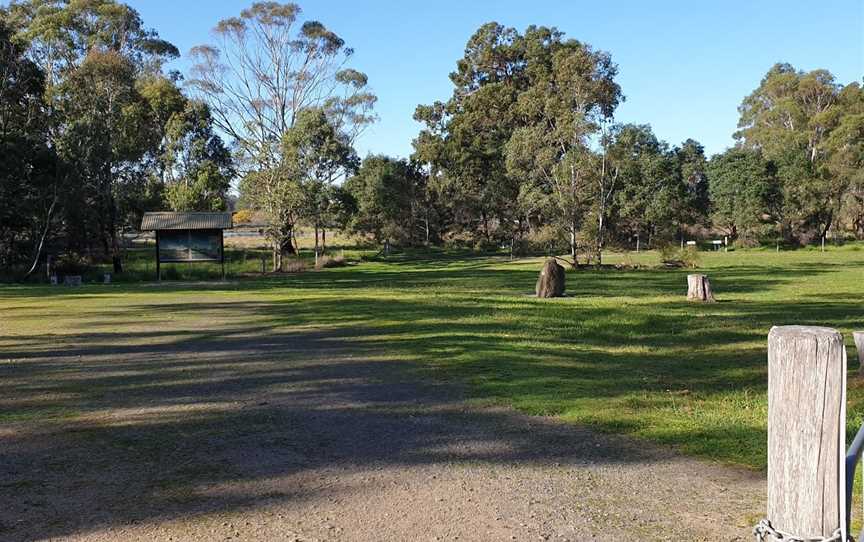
x,y
551,280
699,289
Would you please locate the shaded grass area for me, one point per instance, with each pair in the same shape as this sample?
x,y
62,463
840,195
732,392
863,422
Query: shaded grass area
x,y
624,353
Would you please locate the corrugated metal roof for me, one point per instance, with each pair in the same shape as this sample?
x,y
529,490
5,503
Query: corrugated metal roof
x,y
186,221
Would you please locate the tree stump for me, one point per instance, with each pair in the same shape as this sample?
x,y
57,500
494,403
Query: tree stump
x,y
859,345
699,289
551,280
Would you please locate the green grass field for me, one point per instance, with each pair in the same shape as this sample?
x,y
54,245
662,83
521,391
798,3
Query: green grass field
x,y
625,352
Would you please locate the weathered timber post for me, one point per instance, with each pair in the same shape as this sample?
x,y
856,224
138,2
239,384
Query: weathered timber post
x,y
699,289
806,433
859,346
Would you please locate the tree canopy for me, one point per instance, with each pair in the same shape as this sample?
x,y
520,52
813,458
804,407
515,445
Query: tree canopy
x,y
526,151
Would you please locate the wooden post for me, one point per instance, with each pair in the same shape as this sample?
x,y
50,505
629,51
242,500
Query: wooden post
x,y
158,262
806,431
699,289
222,251
859,346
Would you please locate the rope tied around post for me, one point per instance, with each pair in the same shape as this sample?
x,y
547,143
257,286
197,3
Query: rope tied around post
x,y
764,529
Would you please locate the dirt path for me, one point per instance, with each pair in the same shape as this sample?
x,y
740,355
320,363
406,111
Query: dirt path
x,y
305,436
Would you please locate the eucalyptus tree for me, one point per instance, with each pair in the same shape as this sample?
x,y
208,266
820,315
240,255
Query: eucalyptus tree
x,y
198,167
571,93
514,141
789,118
692,164
61,33
652,198
391,200
844,148
94,55
27,165
318,154
263,70
746,196
462,143
105,137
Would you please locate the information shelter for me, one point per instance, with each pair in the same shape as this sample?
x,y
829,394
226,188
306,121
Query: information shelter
x,y
188,237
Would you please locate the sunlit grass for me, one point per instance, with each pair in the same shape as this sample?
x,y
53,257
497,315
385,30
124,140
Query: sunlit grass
x,y
624,353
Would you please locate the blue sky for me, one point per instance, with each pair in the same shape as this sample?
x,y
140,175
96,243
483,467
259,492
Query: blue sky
x,y
684,66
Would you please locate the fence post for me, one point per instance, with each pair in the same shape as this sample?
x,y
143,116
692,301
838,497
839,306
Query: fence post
x,y
806,431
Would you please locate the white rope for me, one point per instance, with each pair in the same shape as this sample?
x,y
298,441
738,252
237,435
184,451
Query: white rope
x,y
764,528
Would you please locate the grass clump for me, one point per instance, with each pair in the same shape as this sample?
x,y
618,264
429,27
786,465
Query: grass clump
x,y
327,262
294,265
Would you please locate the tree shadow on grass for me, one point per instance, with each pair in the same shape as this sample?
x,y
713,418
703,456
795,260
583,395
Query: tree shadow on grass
x,y
171,426
139,424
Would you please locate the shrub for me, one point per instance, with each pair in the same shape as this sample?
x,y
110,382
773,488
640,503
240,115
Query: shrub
x,y
458,240
668,253
547,239
243,216
486,245
71,264
171,273
690,257
683,257
627,262
331,261
293,265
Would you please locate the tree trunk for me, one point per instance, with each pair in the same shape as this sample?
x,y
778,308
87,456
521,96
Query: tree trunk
x,y
41,244
600,225
115,247
699,289
316,244
485,225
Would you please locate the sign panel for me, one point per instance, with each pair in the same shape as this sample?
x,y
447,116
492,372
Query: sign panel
x,y
190,246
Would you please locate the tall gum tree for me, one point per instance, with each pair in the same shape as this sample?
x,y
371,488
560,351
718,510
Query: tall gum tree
x,y
93,53
571,93
262,71
788,118
462,144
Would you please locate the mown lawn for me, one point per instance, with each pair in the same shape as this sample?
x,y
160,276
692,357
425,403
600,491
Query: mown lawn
x,y
625,352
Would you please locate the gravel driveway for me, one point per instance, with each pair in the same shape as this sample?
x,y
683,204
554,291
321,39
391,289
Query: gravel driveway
x,y
305,436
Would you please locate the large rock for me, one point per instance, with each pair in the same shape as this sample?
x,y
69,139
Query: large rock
x,y
551,281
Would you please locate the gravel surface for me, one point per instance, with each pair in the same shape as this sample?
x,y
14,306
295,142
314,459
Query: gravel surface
x,y
298,437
